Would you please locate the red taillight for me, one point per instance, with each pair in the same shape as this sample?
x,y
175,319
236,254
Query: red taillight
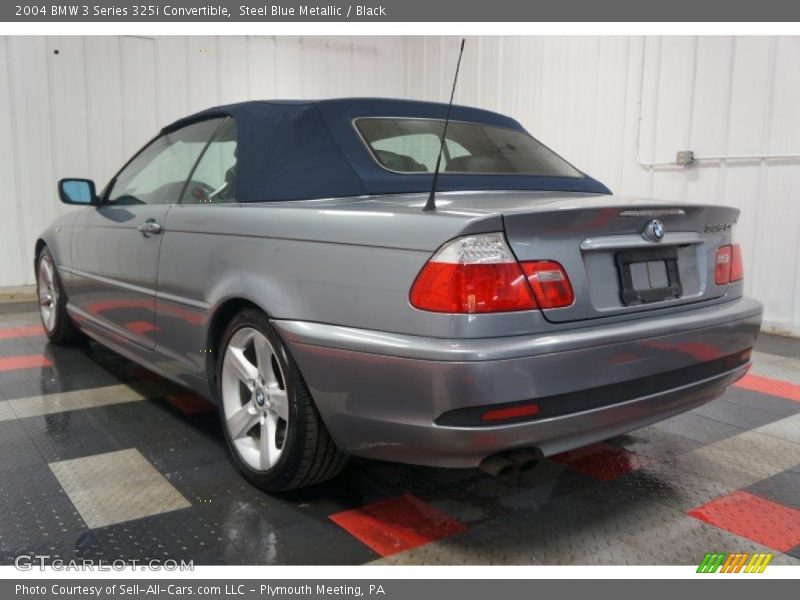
x,y
737,270
458,288
473,274
478,274
511,412
722,270
549,282
729,264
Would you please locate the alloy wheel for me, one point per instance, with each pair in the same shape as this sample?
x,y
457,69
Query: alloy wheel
x,y
255,399
48,292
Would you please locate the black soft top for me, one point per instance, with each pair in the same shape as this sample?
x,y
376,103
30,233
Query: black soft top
x,y
300,149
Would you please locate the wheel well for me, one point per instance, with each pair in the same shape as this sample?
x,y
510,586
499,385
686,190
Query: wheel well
x,y
39,245
219,321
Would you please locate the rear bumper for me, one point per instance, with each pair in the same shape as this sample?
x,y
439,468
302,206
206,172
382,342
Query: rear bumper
x,y
381,393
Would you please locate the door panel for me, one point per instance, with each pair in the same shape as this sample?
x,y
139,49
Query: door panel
x,y
116,246
184,280
116,268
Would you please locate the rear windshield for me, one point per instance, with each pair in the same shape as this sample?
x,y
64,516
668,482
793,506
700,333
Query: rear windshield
x,y
412,145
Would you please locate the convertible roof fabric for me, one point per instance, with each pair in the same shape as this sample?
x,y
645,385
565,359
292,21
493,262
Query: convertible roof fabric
x,y
293,150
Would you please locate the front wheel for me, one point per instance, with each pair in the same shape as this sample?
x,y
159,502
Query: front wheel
x,y
58,327
274,432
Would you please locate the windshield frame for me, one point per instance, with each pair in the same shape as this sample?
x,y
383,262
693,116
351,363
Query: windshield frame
x,y
354,123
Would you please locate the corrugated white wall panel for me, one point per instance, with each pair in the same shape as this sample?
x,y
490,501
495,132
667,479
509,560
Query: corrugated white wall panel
x,y
14,268
621,108
261,67
232,75
140,96
201,73
104,104
172,78
32,115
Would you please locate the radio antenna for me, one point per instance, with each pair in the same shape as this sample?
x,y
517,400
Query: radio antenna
x,y
430,205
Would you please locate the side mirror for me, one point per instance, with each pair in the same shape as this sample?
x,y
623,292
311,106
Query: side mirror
x,y
77,191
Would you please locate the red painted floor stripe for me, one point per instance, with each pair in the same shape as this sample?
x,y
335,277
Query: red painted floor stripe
x,y
755,518
773,387
23,362
397,524
603,461
18,332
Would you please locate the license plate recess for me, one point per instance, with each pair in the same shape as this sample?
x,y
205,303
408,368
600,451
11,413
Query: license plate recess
x,y
648,275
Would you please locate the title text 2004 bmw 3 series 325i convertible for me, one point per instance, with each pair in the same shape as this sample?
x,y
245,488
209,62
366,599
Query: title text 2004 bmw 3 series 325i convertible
x,y
276,258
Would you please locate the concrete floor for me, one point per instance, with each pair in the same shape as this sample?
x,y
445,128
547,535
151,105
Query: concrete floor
x,y
102,459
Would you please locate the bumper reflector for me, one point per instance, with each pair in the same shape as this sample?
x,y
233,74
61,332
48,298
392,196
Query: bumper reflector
x,y
511,412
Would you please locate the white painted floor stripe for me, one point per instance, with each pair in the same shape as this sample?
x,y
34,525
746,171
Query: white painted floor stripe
x,y
46,404
6,414
787,429
743,459
776,367
115,487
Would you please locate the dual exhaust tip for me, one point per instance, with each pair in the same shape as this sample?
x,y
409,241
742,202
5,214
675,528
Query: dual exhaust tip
x,y
512,462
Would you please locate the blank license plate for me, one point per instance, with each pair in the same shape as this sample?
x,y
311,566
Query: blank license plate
x,y
649,275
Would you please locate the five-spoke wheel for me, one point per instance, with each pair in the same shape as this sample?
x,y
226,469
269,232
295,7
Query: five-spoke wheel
x,y
58,327
48,291
273,428
255,398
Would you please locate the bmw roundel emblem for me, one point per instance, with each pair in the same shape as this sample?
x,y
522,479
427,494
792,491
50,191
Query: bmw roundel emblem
x,y
654,231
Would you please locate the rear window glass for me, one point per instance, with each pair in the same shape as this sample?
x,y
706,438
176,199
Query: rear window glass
x,y
412,145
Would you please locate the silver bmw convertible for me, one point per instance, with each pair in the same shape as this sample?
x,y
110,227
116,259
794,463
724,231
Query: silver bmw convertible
x,y
296,262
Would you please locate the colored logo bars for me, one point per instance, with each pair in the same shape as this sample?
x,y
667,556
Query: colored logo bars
x,y
734,563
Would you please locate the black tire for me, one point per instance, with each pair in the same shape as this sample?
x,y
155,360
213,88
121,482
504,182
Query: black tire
x,y
309,455
63,330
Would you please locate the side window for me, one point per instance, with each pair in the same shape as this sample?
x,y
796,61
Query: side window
x,y
214,178
455,150
416,152
158,173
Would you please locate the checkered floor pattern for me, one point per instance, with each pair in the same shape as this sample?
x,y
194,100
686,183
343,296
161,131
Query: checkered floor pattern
x,y
101,459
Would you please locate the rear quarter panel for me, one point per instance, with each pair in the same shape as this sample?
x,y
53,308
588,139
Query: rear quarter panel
x,y
296,262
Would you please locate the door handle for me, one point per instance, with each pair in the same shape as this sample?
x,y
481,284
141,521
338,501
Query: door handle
x,y
149,227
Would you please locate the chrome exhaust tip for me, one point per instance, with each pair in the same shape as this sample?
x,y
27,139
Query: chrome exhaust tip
x,y
497,465
526,460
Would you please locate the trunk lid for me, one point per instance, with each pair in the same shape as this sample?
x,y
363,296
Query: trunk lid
x,y
615,259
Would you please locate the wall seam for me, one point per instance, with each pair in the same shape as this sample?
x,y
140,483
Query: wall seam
x,y
722,178
12,102
690,119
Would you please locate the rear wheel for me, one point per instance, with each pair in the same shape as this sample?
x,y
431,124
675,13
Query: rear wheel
x,y
58,327
274,432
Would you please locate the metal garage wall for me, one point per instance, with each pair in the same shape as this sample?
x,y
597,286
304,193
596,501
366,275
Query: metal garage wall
x,y
79,106
621,107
